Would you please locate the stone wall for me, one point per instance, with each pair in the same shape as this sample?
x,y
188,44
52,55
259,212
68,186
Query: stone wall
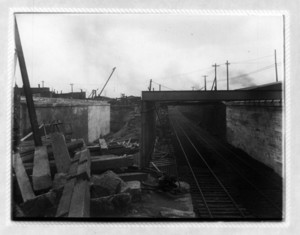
x,y
256,128
89,119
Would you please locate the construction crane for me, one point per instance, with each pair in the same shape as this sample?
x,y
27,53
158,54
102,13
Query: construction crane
x,y
107,81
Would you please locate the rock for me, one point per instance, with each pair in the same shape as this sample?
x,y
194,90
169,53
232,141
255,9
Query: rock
x,y
134,188
183,187
173,213
105,184
110,204
38,206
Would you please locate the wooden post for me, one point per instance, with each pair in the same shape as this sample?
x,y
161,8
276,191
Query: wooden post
x,y
27,90
41,176
60,153
22,178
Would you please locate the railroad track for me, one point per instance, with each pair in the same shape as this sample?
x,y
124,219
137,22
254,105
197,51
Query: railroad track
x,y
222,186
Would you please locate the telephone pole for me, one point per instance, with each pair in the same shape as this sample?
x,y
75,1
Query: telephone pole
x,y
71,87
227,74
150,85
276,66
215,65
205,76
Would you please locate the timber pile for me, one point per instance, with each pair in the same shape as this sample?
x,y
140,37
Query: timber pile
x,y
56,180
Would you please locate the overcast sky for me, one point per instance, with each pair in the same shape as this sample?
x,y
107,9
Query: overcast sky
x,y
174,50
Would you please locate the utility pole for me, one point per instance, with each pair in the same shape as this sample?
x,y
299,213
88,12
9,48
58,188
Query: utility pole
x,y
43,84
227,74
205,76
276,66
215,65
71,87
150,85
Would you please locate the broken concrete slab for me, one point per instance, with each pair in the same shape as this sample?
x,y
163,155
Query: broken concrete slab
x,y
174,213
41,176
110,204
106,184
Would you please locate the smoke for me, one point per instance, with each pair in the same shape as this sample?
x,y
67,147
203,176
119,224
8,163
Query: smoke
x,y
242,80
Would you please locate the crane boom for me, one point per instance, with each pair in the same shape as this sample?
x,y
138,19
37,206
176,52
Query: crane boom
x,y
107,81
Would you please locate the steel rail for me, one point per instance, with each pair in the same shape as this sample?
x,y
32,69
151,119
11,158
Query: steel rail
x,y
212,172
240,174
192,171
236,157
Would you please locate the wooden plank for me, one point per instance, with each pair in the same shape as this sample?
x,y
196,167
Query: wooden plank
x,y
80,202
65,201
106,162
22,178
60,152
41,176
27,89
84,166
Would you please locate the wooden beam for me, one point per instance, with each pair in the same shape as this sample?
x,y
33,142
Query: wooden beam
x,y
60,153
80,202
22,178
106,162
238,95
65,201
27,89
41,176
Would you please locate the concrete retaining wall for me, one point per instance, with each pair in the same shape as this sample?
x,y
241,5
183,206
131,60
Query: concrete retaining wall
x,y
256,128
89,119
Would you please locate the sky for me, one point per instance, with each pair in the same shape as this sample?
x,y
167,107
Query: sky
x,y
175,51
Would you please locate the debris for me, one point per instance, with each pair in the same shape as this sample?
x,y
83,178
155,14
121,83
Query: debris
x,y
140,176
173,213
41,176
22,178
37,206
134,188
103,144
109,204
60,152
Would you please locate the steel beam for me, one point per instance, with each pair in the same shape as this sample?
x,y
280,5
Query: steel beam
x,y
238,95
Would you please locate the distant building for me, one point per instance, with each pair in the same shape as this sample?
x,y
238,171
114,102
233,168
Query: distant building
x,y
36,91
